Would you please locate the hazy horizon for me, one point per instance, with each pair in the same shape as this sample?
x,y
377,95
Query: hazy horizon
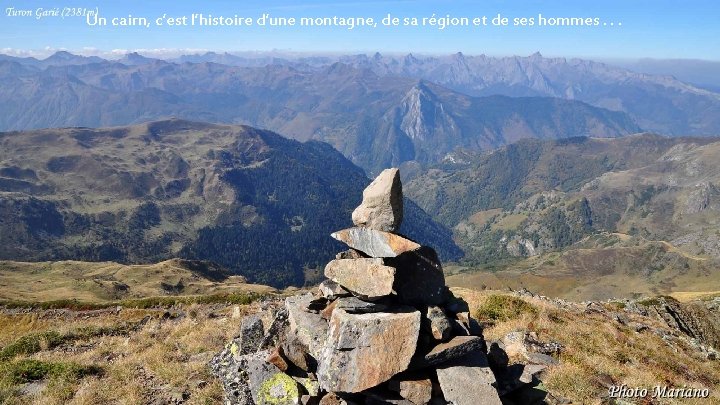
x,y
660,29
168,53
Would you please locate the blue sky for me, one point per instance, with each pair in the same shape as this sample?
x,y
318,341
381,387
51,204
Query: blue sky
x,y
649,28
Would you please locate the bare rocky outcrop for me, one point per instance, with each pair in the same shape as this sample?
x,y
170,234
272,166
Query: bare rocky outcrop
x,y
382,329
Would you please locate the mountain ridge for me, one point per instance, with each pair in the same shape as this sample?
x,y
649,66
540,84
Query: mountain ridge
x,y
536,197
353,109
252,201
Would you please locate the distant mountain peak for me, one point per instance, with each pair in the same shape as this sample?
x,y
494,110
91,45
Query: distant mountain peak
x,y
424,114
135,59
61,55
536,56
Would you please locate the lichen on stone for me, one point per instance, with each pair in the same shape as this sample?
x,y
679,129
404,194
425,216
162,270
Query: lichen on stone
x,y
278,389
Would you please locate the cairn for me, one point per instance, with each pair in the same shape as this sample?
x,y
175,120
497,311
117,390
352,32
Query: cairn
x,y
382,329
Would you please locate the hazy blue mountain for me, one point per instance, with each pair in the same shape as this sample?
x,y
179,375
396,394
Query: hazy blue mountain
x,y
59,58
657,103
702,73
375,121
686,104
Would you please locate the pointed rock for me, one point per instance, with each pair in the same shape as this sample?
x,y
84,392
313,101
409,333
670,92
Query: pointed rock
x,y
251,334
364,350
375,243
468,381
382,204
367,277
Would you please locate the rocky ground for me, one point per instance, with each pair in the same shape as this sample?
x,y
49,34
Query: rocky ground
x,y
160,355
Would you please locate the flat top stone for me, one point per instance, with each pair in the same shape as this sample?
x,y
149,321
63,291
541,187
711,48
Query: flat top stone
x,y
375,243
382,204
357,306
468,380
367,277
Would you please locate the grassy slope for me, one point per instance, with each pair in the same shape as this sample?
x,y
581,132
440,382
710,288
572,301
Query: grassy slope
x,y
589,271
107,281
598,349
162,359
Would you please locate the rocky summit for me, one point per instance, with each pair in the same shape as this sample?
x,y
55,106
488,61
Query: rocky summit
x,y
382,329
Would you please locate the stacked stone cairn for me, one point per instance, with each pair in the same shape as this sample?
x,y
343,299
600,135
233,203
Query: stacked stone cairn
x,y
382,329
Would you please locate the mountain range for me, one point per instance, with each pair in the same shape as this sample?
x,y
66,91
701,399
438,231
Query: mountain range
x,y
641,207
375,120
673,97
256,203
507,166
657,103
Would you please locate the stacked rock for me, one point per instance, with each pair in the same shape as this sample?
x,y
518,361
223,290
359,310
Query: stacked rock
x,y
383,328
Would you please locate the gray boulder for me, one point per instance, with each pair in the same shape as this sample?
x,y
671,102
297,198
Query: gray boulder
x,y
364,350
309,328
251,335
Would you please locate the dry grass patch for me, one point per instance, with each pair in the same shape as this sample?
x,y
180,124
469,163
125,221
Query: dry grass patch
x,y
164,358
598,349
